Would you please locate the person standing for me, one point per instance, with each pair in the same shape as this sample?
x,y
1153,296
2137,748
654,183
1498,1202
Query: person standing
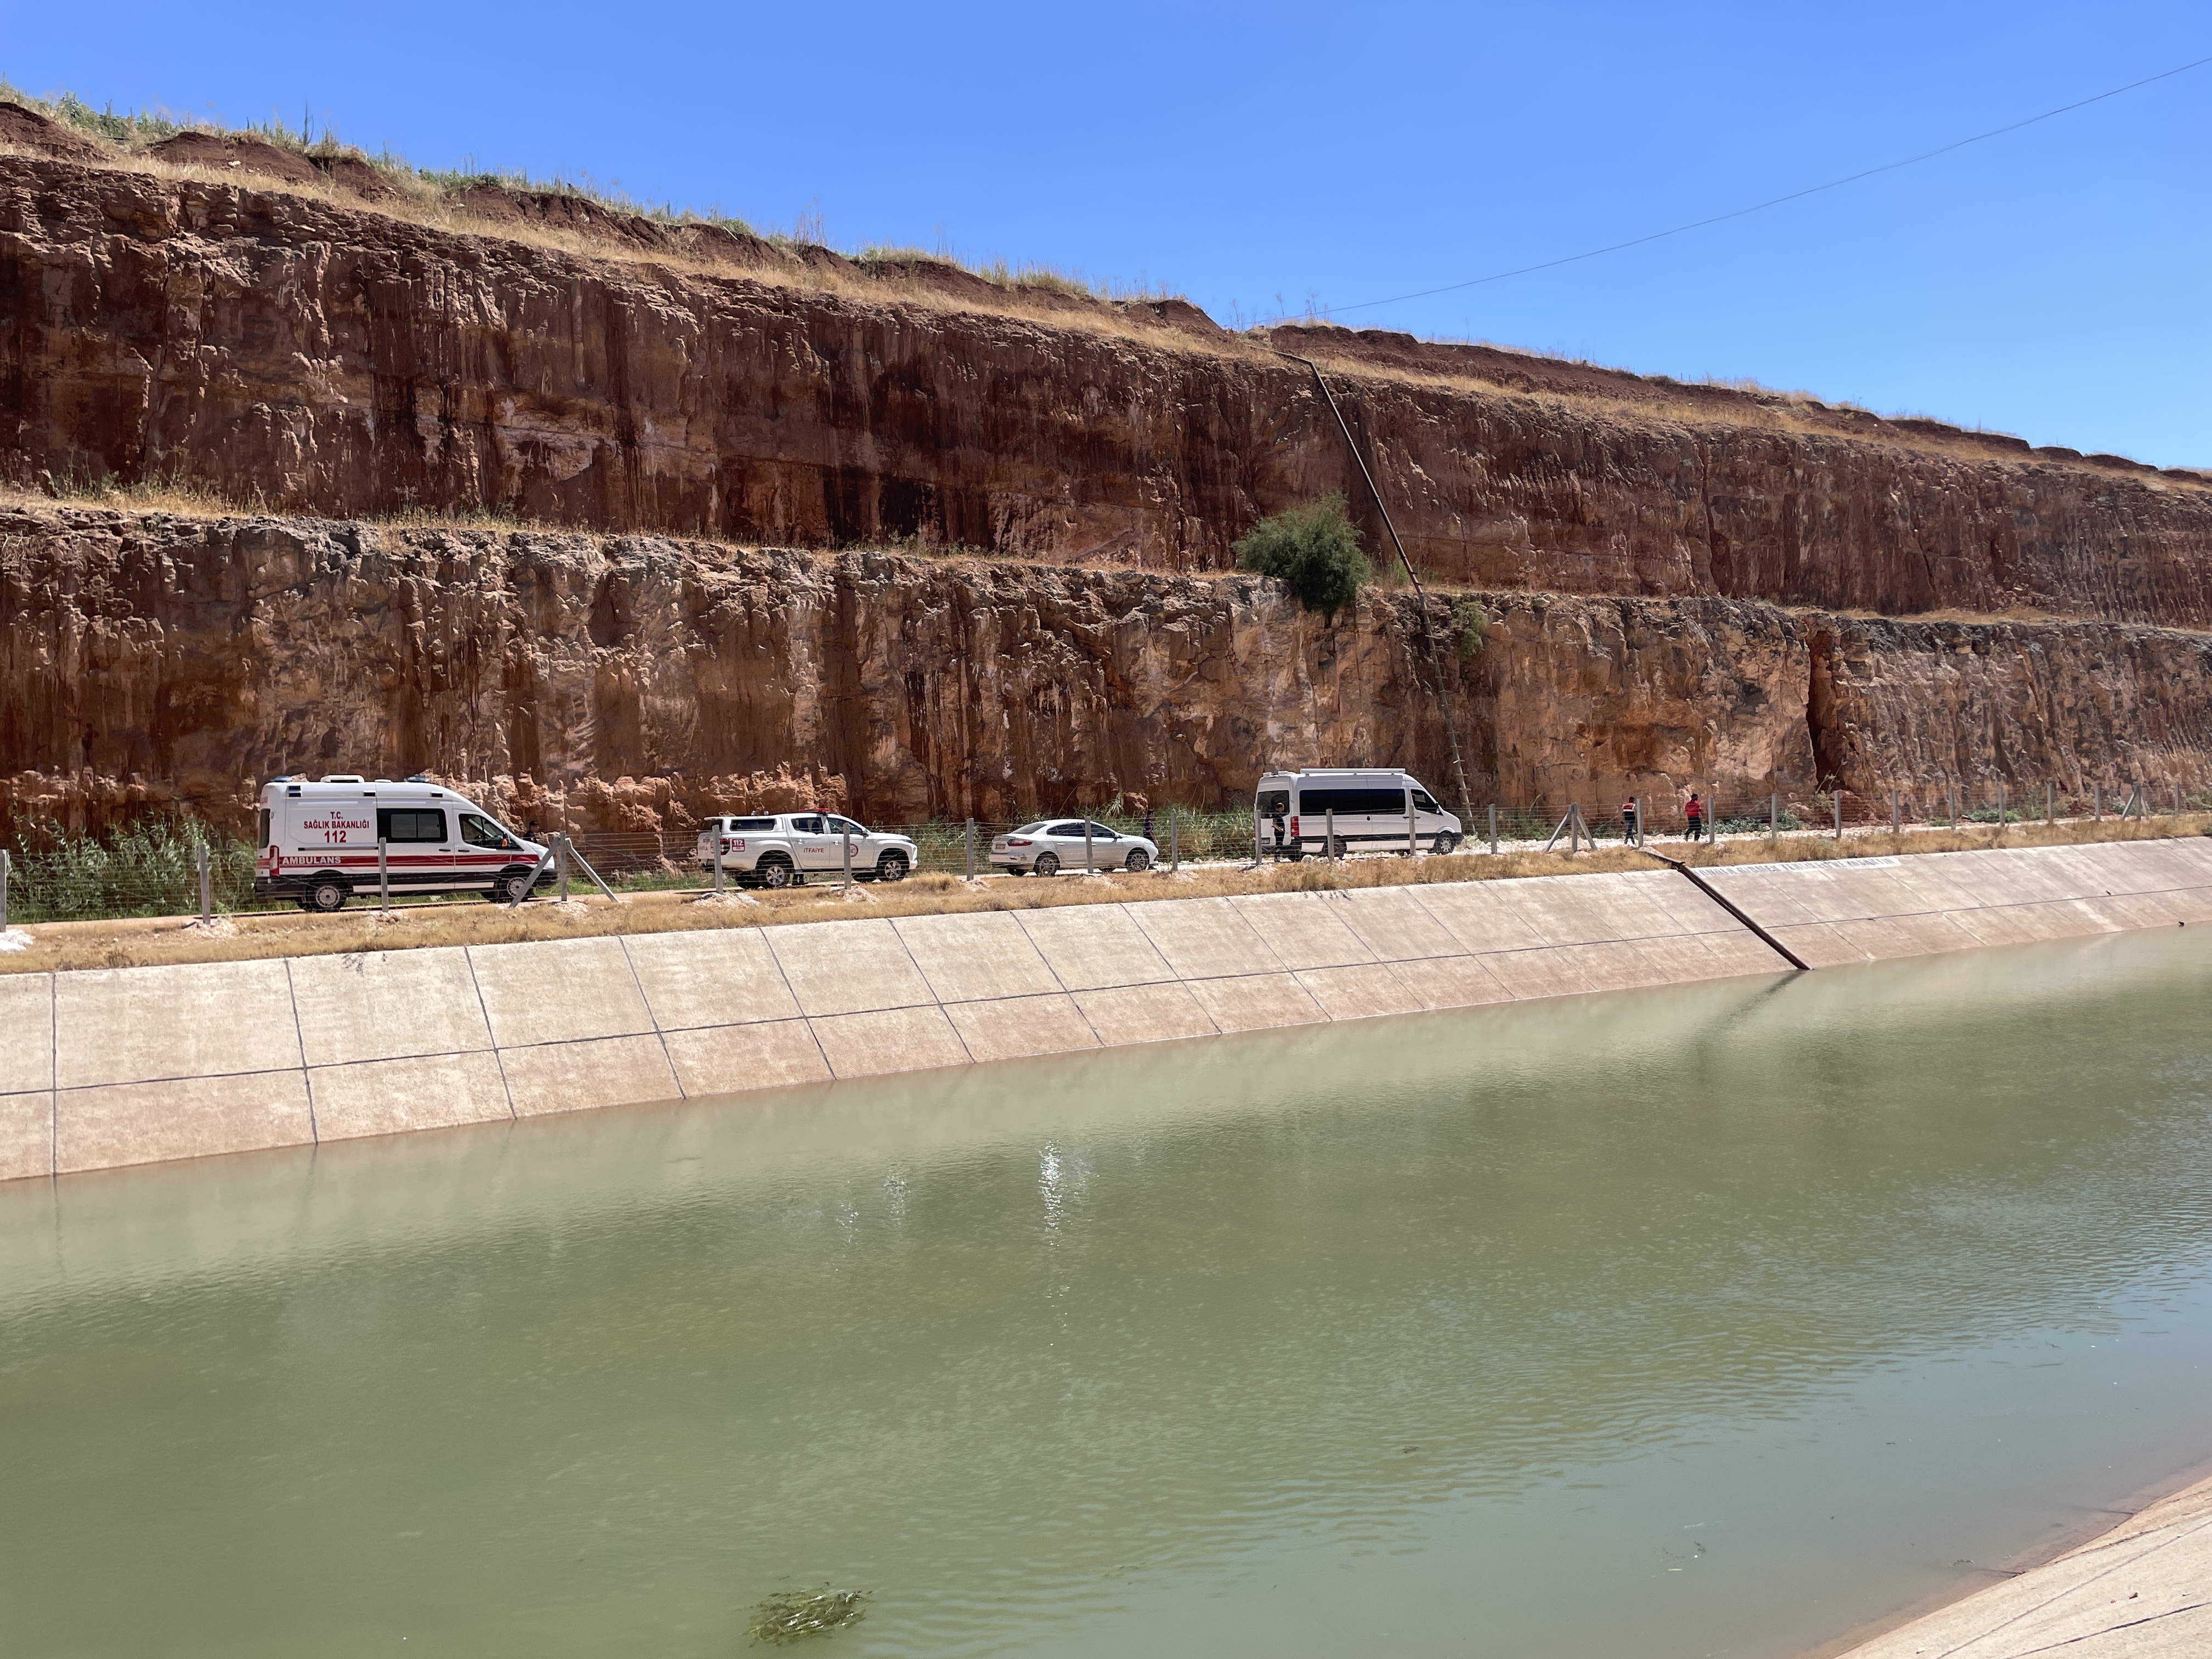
x,y
1694,813
1628,820
1277,821
1148,823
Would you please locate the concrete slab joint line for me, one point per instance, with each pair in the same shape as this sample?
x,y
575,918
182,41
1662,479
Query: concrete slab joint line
x,y
307,1076
505,1087
630,963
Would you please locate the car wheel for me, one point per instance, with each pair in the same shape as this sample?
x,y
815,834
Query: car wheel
x,y
891,867
327,896
1138,858
776,872
1048,864
1446,843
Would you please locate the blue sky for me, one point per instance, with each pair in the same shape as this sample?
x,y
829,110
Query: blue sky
x,y
2051,283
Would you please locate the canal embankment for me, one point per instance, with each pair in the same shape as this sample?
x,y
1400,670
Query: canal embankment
x,y
2142,1590
103,1068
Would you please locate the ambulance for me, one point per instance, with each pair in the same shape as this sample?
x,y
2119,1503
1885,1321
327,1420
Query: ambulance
x,y
317,843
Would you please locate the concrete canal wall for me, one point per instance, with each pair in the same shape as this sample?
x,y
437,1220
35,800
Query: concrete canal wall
x,y
109,1067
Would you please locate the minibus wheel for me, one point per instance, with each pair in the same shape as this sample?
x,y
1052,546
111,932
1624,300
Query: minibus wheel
x,y
1446,843
326,896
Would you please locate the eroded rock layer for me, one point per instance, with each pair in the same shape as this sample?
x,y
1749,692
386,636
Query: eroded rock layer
x,y
283,347
641,681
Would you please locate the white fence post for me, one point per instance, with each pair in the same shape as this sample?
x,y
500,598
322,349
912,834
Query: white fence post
x,y
383,874
971,849
1493,826
1174,842
207,909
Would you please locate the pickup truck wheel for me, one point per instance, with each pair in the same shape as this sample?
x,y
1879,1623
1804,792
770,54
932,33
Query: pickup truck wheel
x,y
1048,864
326,896
891,867
775,871
1138,859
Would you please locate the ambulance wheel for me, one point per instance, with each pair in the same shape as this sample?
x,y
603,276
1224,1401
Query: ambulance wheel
x,y
326,896
512,886
776,872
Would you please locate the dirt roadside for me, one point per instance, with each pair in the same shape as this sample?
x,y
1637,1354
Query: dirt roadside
x,y
151,941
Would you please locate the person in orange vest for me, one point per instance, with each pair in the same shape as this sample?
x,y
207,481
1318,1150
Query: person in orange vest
x,y
1695,813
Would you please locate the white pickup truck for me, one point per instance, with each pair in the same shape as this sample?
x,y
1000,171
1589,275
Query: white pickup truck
x,y
782,851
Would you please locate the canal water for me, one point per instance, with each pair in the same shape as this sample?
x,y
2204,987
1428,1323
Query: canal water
x,y
1717,1320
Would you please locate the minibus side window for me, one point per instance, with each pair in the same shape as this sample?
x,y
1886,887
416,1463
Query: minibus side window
x,y
399,823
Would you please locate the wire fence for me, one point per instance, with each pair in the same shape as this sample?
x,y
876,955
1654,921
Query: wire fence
x,y
153,868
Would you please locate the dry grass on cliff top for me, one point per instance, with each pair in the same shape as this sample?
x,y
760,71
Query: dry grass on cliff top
x,y
1033,292
71,945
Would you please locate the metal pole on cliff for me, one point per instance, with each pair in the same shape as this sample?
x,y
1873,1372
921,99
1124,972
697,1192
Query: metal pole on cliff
x,y
1420,598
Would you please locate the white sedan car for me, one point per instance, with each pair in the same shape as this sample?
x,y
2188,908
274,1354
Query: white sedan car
x,y
1051,845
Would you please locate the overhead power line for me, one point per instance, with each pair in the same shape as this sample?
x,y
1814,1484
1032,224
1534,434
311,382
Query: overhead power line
x,y
1760,207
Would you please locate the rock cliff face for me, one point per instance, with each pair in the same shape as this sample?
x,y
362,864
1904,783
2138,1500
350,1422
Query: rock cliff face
x,y
276,345
640,681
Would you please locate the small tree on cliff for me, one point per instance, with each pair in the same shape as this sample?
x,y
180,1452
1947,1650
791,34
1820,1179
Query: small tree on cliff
x,y
1313,551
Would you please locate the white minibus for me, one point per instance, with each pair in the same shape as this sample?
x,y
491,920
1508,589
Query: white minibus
x,y
1376,811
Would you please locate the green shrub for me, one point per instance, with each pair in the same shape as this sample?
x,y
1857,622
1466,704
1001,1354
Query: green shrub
x,y
1469,618
1313,551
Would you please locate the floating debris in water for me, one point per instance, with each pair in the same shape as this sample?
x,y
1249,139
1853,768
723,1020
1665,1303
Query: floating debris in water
x,y
789,1615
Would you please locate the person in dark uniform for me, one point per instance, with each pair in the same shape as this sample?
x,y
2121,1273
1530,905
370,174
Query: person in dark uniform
x,y
1281,828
